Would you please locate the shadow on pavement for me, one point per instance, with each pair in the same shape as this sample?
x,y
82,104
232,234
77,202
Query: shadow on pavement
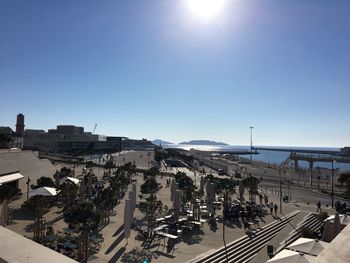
x,y
119,230
115,243
117,255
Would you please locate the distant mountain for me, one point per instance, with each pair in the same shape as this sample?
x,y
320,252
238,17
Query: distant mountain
x,y
158,142
203,142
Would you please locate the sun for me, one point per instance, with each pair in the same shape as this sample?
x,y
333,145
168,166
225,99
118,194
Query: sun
x,y
206,8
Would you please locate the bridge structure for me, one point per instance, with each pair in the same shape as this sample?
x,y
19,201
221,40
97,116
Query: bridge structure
x,y
294,150
310,156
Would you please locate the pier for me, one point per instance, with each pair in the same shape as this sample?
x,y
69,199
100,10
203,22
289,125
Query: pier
x,y
293,150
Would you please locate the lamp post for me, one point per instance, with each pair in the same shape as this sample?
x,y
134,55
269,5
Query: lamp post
x,y
28,181
251,142
280,192
333,183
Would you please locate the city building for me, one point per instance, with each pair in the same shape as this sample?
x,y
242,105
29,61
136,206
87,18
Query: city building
x,y
65,139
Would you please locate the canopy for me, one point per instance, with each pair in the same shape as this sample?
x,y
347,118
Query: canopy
x,y
44,191
308,245
289,256
344,219
72,179
10,178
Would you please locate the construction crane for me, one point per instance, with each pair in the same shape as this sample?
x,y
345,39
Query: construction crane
x,y
93,131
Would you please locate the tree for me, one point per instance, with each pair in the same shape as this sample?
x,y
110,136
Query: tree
x,y
65,171
151,205
7,192
85,218
345,178
82,215
185,184
122,178
105,201
252,183
43,181
109,165
69,191
37,206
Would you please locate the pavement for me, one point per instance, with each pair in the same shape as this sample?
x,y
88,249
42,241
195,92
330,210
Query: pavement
x,y
116,249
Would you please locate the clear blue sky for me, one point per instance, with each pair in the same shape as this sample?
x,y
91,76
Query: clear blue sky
x,y
153,69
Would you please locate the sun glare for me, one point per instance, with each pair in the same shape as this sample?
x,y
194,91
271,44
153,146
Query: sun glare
x,y
206,8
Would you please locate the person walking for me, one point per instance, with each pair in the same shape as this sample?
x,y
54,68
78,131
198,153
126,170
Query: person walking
x,y
276,209
260,198
271,207
318,206
266,199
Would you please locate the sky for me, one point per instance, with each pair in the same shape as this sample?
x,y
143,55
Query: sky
x,y
157,69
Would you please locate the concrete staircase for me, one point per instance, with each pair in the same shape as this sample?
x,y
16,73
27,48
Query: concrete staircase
x,y
289,234
244,248
311,221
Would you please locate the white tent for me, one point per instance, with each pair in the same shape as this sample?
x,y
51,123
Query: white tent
x,y
44,191
71,179
308,245
344,219
289,256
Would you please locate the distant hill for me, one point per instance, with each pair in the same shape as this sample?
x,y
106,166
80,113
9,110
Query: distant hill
x,y
203,142
158,142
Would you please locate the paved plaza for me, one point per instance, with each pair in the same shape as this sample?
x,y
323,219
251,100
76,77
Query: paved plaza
x,y
115,248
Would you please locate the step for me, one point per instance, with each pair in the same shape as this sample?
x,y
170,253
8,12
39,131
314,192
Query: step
x,y
267,231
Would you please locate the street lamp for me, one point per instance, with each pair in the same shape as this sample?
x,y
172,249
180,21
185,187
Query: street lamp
x,y
251,142
28,181
332,193
280,191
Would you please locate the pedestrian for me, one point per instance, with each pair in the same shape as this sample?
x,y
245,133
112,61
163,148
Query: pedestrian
x,y
260,198
275,208
271,207
266,199
318,206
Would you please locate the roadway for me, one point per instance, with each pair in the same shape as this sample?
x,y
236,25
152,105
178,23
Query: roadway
x,y
271,181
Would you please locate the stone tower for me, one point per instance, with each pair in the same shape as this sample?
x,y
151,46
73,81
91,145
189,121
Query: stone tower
x,y
20,124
